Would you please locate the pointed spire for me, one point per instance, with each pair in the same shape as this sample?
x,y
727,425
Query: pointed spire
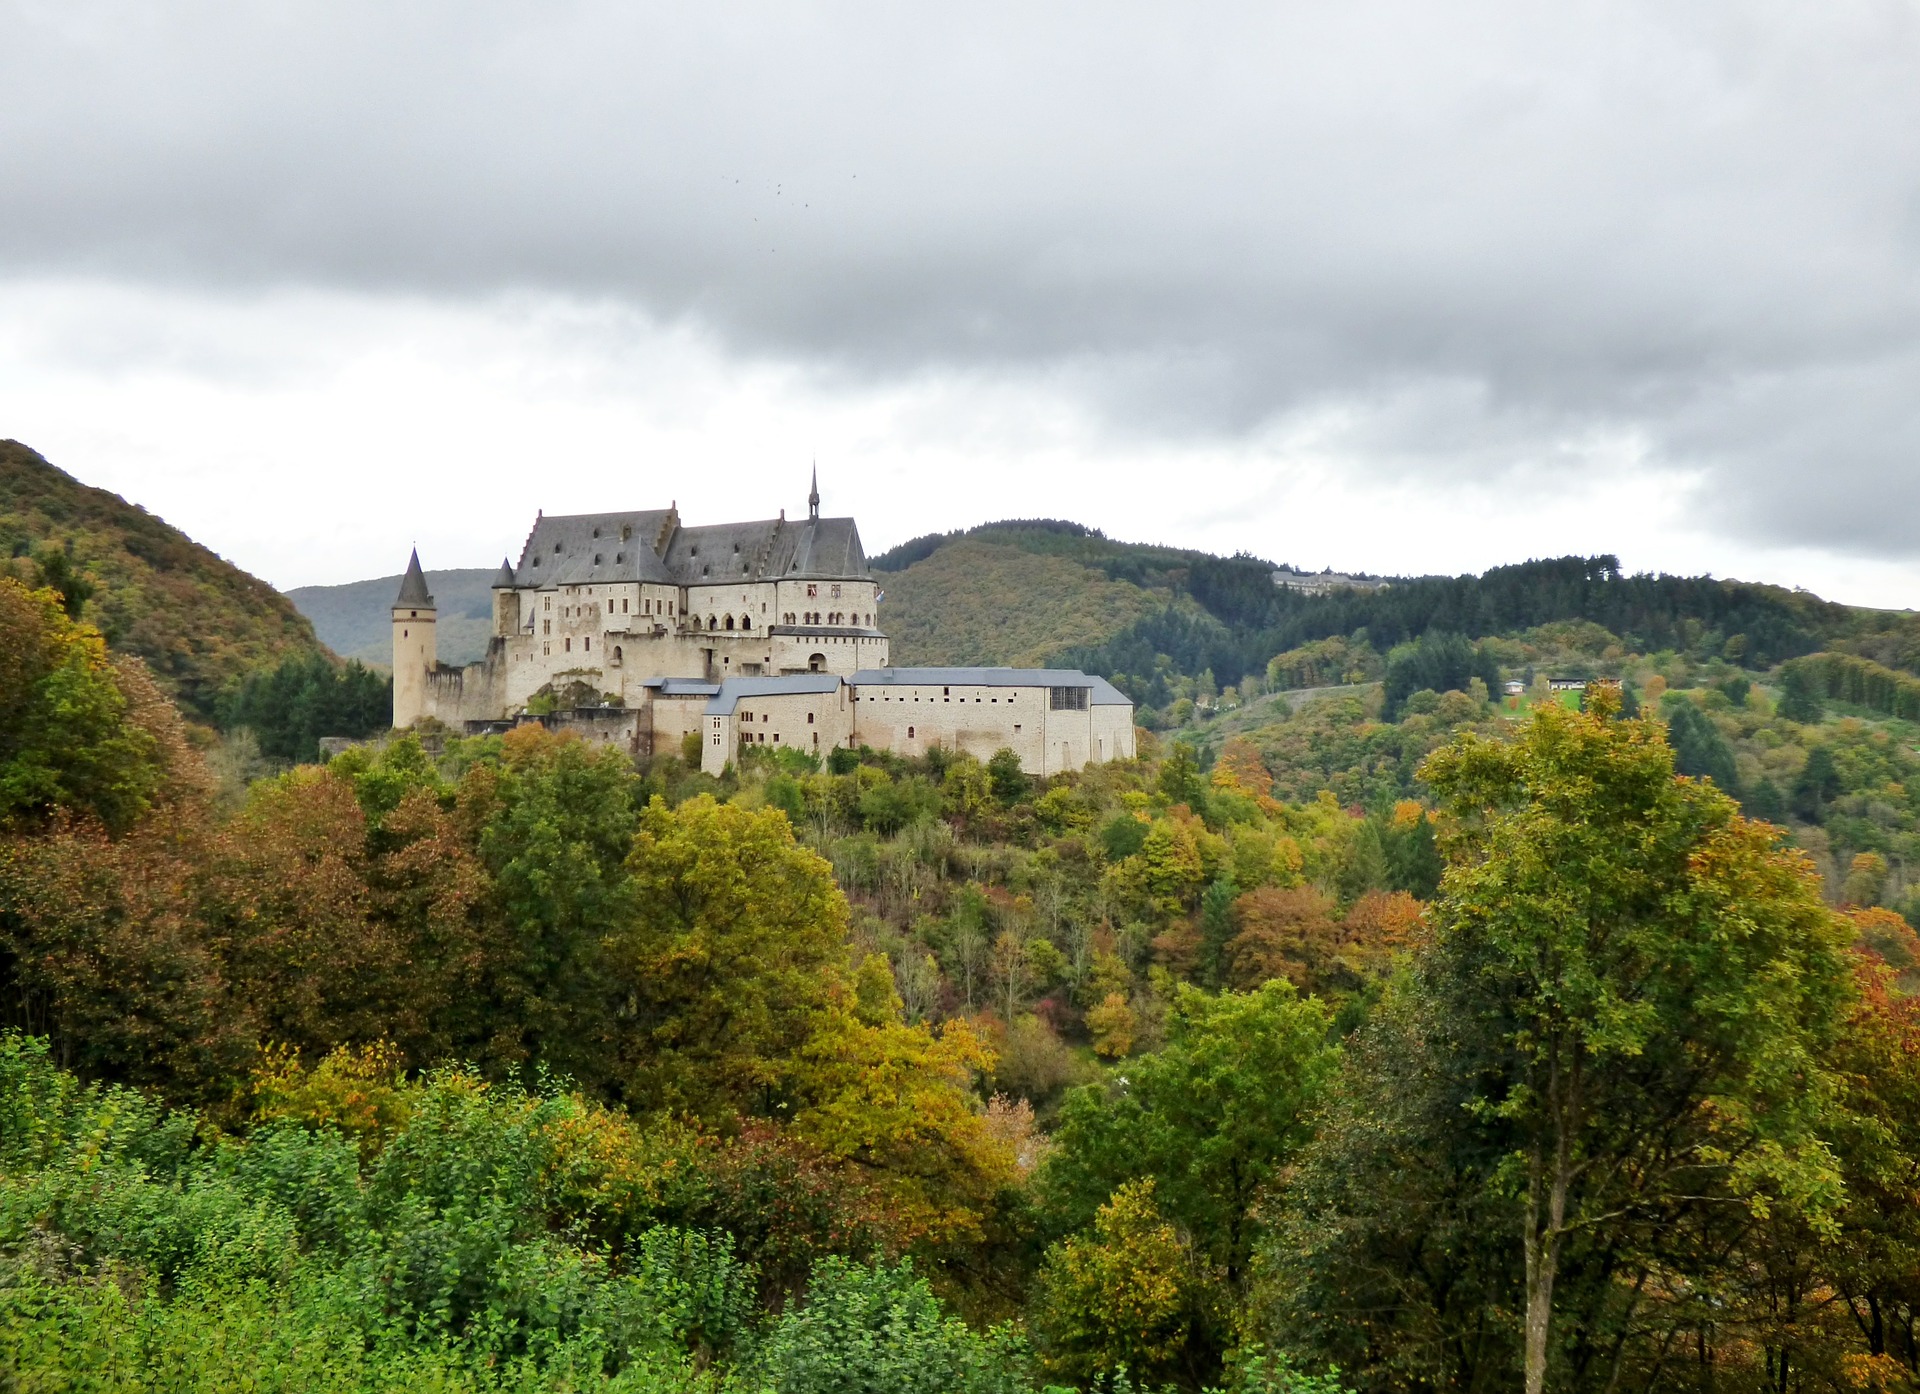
x,y
503,580
413,586
813,498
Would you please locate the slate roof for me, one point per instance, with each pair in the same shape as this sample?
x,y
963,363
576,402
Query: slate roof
x,y
595,549
413,585
503,579
734,690
652,546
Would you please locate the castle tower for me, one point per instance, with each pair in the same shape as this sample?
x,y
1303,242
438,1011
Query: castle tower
x,y
506,603
414,653
813,497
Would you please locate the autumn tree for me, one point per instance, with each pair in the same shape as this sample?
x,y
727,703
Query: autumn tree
x,y
1640,985
728,958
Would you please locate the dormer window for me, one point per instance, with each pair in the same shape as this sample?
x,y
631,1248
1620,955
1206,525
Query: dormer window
x,y
556,549
626,532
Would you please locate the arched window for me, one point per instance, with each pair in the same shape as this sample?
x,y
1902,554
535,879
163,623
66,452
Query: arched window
x,y
809,718
909,733
816,662
729,621
746,622
618,653
712,623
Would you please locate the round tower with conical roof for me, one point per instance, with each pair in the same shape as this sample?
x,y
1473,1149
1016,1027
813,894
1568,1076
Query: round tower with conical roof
x,y
414,651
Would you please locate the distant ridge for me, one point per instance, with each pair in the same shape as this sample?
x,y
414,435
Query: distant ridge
x,y
200,622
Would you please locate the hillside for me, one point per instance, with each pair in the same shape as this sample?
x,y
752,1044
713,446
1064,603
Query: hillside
x,y
199,622
975,601
355,619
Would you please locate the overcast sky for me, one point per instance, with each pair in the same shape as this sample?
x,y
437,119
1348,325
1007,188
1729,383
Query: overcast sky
x,y
1402,287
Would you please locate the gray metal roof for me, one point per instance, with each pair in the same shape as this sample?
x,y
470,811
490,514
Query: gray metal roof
x,y
1104,693
681,687
734,690
503,578
652,546
413,585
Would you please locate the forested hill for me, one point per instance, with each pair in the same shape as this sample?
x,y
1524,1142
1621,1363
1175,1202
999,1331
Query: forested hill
x,y
199,622
1149,615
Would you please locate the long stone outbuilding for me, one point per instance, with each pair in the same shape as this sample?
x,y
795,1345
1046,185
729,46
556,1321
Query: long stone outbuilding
x,y
1054,719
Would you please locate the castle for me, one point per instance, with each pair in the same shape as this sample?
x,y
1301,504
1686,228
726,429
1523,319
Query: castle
x,y
634,629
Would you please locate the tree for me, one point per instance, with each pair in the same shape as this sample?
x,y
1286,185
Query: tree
x,y
1800,696
68,734
1210,1117
1286,934
1009,781
1119,1299
1640,984
1699,749
1817,785
731,951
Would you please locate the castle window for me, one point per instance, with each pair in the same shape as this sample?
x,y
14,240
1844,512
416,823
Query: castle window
x,y
813,591
556,549
596,532
623,605
549,601
729,622
587,644
569,646
596,562
619,557
809,718
746,622
546,650
404,633
626,532
909,733
547,626
836,592
618,653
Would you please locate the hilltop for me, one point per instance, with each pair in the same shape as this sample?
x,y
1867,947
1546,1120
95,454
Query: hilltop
x,y
199,622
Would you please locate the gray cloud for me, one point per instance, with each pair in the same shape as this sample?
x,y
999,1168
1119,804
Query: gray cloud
x,y
1490,230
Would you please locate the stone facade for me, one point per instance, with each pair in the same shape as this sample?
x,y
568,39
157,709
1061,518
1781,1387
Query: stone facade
x,y
637,630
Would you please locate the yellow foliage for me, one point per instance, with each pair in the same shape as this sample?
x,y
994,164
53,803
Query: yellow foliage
x,y
361,1090
898,1101
1113,1025
1121,1297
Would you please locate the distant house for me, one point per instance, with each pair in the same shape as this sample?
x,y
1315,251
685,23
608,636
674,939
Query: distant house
x,y
1513,687
1568,684
1323,582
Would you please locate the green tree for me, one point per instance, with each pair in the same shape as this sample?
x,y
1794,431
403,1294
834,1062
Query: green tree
x,y
1699,749
1817,785
1210,1117
1801,698
1640,984
1010,783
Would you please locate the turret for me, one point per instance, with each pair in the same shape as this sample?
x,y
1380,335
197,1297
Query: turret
x,y
414,651
506,602
813,497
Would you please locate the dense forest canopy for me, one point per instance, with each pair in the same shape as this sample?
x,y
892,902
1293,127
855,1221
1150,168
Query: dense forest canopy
x,y
1491,983
1416,1037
